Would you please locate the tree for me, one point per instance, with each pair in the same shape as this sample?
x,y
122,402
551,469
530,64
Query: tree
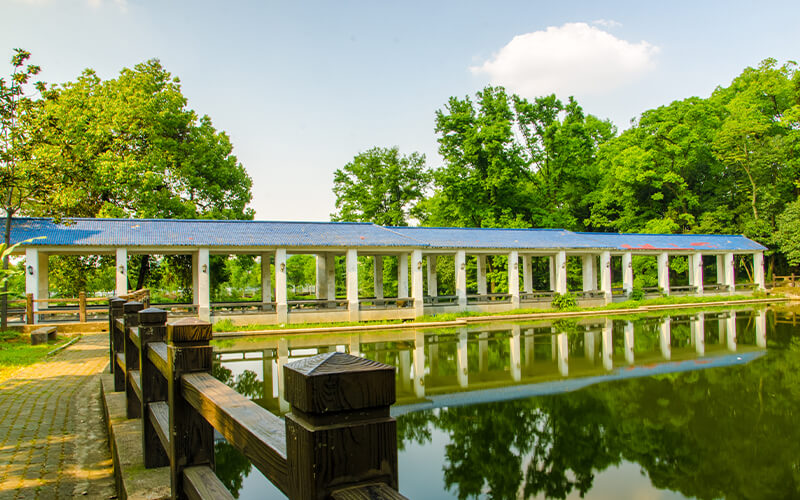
x,y
382,186
788,235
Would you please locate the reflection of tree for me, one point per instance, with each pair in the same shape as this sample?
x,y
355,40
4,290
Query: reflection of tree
x,y
414,428
231,466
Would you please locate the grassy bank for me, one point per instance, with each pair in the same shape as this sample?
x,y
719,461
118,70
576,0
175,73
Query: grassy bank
x,y
16,352
228,326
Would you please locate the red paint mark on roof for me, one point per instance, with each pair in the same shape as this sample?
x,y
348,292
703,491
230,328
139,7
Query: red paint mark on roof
x,y
626,246
700,244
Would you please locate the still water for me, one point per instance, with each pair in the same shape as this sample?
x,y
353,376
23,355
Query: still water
x,y
702,405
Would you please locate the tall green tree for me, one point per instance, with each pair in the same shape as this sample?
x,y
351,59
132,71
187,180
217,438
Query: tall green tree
x,y
382,186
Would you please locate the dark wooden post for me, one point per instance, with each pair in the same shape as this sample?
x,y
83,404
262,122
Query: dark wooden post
x,y
116,339
29,308
152,328
191,436
339,432
131,315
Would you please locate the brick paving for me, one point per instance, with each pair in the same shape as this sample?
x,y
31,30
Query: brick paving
x,y
52,437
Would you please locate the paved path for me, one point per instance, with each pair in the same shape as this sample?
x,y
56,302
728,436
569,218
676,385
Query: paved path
x,y
52,437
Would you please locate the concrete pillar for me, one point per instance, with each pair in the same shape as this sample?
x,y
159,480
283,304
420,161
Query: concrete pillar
x,y
122,273
461,279
563,354
698,327
462,361
351,258
561,272
758,270
513,278
515,353
628,339
416,283
481,278
730,275
32,277
377,267
203,285
552,266
589,274
697,271
607,346
730,331
761,328
432,277
664,336
321,282
266,276
690,264
419,364
43,283
605,274
720,269
281,298
627,273
663,272
527,278
330,271
402,276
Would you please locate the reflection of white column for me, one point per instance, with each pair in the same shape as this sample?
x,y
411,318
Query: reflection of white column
x,y
355,344
405,369
204,289
122,273
351,267
481,278
697,270
281,296
605,274
699,333
761,328
730,331
516,362
321,285
551,264
730,276
663,272
664,338
32,277
402,276
266,277
589,275
283,358
483,352
330,270
628,334
432,278
627,272
266,374
378,276
529,342
607,347
527,278
461,279
513,278
462,363
419,364
561,272
588,345
563,354
416,283
433,356
758,269
721,322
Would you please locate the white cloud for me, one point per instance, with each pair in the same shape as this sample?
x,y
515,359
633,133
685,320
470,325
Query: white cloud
x,y
607,23
573,59
122,4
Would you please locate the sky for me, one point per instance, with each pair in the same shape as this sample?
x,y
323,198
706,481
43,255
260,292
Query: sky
x,y
301,87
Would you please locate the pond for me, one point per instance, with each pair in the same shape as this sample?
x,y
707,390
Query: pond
x,y
690,404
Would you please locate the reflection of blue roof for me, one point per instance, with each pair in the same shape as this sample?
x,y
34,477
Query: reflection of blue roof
x,y
696,242
243,234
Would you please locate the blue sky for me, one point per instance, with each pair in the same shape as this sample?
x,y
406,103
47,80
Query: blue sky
x,y
301,87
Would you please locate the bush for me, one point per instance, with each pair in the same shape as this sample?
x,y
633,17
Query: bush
x,y
564,302
637,294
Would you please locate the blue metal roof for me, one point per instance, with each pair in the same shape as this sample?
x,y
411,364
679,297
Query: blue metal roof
x,y
242,234
681,242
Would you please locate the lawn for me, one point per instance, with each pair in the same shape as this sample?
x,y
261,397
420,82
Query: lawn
x,y
16,352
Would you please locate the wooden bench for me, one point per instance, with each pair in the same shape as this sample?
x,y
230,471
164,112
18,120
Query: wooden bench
x,y
43,334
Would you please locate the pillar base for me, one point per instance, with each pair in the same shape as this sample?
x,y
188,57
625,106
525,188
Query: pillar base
x,y
282,312
419,308
354,311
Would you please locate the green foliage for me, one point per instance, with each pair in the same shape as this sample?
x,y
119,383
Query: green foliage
x,y
788,235
637,294
564,301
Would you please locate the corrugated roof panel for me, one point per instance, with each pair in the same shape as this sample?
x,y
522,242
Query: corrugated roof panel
x,y
458,237
680,242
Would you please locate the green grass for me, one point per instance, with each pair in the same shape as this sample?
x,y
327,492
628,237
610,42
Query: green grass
x,y
228,326
16,352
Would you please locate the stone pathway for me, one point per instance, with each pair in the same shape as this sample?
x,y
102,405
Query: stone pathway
x,y
52,438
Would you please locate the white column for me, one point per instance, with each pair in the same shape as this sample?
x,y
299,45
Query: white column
x,y
698,327
730,275
321,284
690,269
432,277
330,270
563,354
32,277
551,264
628,339
758,270
605,274
561,272
697,270
43,283
419,364
515,354
377,266
720,269
266,277
663,272
461,278
607,346
416,282
513,278
664,338
589,276
203,285
402,276
761,328
481,278
281,306
462,361
351,258
527,278
627,272
122,273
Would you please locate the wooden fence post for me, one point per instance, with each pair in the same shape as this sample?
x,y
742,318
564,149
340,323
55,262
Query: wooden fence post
x,y
339,432
116,339
29,308
82,307
131,310
152,328
191,436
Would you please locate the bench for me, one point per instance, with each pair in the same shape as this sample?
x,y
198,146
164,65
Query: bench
x,y
43,334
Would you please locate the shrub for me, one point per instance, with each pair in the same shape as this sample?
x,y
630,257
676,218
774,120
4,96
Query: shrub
x,y
564,302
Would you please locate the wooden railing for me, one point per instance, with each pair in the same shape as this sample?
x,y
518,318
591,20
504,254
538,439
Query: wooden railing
x,y
338,442
790,280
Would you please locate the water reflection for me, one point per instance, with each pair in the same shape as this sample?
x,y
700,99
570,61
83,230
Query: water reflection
x,y
501,402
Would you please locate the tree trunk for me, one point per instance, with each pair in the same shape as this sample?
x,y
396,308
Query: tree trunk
x,y
144,269
4,293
